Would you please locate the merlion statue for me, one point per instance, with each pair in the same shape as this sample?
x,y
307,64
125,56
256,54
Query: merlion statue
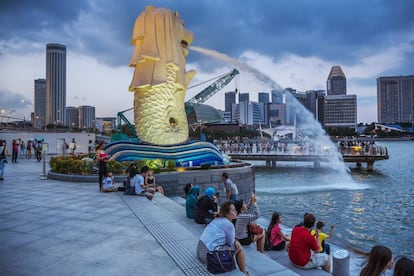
x,y
160,79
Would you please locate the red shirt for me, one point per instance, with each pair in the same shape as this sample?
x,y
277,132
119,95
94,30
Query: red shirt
x,y
301,244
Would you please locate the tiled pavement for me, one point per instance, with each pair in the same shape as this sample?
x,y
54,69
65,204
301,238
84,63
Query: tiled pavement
x,y
50,227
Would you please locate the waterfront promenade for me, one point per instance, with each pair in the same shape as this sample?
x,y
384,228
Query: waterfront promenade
x,y
50,227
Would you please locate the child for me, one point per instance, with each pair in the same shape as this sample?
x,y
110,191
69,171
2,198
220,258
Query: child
x,y
321,237
277,238
108,183
150,182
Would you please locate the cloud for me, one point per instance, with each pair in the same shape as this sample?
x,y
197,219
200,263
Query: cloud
x,y
293,43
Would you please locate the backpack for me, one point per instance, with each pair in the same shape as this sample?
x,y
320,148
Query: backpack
x,y
268,245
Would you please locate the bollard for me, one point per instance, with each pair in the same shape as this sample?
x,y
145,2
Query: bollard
x,y
341,263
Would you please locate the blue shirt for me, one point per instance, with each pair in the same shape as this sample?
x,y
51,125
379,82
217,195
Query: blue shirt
x,y
219,231
138,181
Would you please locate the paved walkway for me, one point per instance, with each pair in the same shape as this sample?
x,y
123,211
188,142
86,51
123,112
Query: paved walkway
x,y
50,227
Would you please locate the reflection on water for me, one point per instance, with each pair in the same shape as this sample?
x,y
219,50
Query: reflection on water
x,y
375,208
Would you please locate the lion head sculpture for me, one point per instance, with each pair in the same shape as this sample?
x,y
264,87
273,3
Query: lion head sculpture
x,y
160,79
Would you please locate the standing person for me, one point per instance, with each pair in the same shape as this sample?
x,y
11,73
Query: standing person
x,y
15,150
277,238
303,247
29,150
229,187
323,245
220,235
206,207
247,213
101,158
380,259
22,149
91,147
72,146
139,182
38,150
3,158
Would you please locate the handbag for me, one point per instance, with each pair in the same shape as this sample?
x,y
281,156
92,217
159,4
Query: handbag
x,y
255,229
220,261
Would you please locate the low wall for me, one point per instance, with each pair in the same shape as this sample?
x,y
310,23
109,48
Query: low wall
x,y
173,182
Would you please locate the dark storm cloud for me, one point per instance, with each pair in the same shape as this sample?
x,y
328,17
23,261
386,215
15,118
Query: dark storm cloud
x,y
333,30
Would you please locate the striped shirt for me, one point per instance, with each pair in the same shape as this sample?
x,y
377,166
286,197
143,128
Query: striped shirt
x,y
243,220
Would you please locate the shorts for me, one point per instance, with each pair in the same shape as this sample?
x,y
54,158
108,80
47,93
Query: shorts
x,y
280,246
247,240
316,260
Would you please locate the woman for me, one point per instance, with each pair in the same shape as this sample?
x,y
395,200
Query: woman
x,y
277,238
247,214
191,201
150,182
380,259
101,158
220,234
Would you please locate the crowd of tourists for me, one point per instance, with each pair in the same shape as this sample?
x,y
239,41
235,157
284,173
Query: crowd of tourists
x,y
232,226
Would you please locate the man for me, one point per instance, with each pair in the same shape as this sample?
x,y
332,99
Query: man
x,y
303,247
229,187
72,146
139,182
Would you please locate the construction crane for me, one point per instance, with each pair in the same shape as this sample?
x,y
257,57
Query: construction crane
x,y
195,101
213,88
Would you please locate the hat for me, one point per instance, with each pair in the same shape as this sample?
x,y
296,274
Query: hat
x,y
238,204
210,191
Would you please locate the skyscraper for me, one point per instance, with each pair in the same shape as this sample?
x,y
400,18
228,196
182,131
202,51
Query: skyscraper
x,y
395,99
86,117
336,82
244,97
39,103
72,117
229,99
55,84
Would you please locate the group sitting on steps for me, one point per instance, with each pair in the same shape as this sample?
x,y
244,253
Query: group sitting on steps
x,y
229,227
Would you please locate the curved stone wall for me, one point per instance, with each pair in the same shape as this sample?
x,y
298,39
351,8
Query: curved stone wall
x,y
174,182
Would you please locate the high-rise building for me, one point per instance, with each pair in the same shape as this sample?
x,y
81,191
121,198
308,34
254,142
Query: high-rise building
x,y
229,99
341,111
55,84
87,117
72,117
263,97
39,103
278,96
263,103
395,99
336,82
315,100
244,97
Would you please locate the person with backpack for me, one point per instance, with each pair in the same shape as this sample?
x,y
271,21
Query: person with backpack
x,y
277,239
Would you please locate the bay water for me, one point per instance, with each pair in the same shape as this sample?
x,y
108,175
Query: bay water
x,y
370,209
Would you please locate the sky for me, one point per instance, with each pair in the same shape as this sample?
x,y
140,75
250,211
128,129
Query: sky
x,y
293,43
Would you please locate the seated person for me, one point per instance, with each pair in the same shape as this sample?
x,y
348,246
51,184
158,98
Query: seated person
x,y
191,201
220,235
321,237
403,267
277,238
139,183
150,182
108,183
131,171
303,247
206,207
247,214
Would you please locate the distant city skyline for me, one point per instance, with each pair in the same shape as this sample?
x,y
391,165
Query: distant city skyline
x,y
282,39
